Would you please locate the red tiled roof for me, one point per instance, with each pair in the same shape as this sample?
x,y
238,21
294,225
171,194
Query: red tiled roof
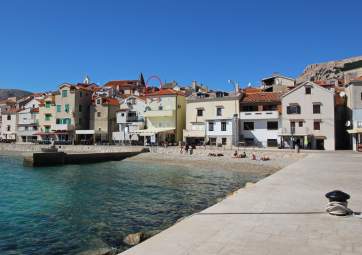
x,y
107,101
251,90
122,84
164,92
261,97
35,110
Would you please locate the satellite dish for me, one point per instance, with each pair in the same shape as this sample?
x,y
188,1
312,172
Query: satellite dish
x,y
342,94
348,123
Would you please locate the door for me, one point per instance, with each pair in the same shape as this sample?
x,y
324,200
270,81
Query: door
x,y
320,144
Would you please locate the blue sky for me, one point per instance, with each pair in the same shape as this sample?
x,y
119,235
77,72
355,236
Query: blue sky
x,y
44,43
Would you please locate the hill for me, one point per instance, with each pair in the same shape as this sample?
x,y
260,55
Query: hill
x,y
5,93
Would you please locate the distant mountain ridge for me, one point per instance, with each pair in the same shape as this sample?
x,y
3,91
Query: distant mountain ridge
x,y
329,70
5,93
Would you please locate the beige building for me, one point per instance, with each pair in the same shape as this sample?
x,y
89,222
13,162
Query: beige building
x,y
72,111
102,121
212,118
308,118
46,119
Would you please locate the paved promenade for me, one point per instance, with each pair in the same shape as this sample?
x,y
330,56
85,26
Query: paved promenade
x,y
282,214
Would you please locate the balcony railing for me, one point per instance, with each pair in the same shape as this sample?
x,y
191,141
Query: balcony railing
x,y
64,127
257,115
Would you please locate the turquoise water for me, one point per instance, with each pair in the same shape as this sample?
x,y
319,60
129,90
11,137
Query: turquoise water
x,y
74,208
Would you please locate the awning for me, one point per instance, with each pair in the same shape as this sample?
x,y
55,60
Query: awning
x,y
354,131
84,132
150,131
320,137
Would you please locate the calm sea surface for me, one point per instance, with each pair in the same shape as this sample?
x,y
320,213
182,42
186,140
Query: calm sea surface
x,y
74,208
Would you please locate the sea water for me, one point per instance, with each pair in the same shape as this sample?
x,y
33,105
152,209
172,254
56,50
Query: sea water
x,y
75,208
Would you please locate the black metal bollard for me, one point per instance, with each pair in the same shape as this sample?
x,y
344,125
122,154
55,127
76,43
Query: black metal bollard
x,y
338,203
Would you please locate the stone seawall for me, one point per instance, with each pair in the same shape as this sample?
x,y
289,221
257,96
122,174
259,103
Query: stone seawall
x,y
69,148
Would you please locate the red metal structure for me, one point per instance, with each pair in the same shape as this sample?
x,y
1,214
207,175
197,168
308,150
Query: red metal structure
x,y
154,77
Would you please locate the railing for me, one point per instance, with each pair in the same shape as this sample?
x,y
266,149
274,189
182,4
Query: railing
x,y
64,127
259,115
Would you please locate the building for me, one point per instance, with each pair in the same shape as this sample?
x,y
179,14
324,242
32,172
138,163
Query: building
x,y
27,125
130,118
46,119
102,121
127,87
354,104
260,118
165,115
277,83
9,124
72,111
212,118
308,117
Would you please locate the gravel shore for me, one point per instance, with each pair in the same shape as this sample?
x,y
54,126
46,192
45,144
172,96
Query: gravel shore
x,y
200,159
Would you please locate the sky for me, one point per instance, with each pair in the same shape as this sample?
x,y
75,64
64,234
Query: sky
x,y
44,43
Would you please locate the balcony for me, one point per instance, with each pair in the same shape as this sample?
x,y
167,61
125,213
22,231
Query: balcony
x,y
259,115
64,127
296,131
194,133
159,113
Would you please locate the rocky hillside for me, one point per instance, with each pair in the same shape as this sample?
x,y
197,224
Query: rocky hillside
x,y
329,70
5,93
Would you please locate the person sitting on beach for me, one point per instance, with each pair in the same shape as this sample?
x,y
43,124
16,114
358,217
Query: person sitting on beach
x,y
253,156
265,158
243,155
235,154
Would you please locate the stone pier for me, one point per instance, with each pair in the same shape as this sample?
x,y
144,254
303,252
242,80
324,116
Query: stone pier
x,y
282,214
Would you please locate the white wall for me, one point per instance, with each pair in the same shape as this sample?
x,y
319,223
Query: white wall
x,y
261,134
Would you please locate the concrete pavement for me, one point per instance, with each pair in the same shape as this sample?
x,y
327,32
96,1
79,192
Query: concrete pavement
x,y
282,214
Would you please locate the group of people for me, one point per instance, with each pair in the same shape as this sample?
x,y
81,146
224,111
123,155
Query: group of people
x,y
187,149
253,156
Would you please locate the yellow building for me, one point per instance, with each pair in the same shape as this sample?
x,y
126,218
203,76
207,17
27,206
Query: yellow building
x,y
165,116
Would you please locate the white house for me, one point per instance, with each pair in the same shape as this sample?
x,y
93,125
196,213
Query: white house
x,y
27,124
309,117
260,118
130,118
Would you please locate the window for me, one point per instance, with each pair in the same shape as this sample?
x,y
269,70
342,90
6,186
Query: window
x,y
80,108
316,108
361,95
272,142
223,141
249,108
47,104
293,109
80,121
218,111
48,117
300,123
270,107
200,112
66,107
308,90
160,108
8,128
122,114
248,125
47,129
98,101
9,117
58,121
64,93
59,108
317,125
67,121
272,125
223,126
80,94
98,114
292,127
212,141
211,126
